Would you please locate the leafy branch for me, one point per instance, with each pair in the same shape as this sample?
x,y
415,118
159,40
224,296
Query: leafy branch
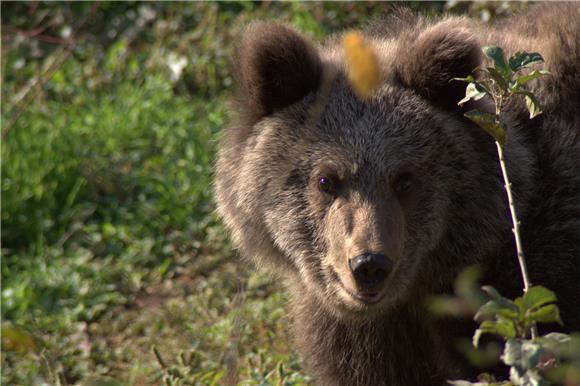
x,y
502,82
530,360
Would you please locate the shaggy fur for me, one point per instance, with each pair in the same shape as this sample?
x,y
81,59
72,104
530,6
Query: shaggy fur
x,y
410,179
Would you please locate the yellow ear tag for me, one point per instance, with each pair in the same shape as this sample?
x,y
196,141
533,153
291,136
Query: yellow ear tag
x,y
363,64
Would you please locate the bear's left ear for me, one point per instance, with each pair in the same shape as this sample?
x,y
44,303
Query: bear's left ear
x,y
445,51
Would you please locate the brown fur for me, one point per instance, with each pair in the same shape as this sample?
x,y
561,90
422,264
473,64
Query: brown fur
x,y
442,52
271,57
411,180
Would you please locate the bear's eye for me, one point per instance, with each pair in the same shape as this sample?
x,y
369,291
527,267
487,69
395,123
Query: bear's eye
x,y
404,183
327,184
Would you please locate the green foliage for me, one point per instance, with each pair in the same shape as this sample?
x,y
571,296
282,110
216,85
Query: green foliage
x,y
502,82
532,360
467,300
524,59
489,123
510,319
549,359
501,65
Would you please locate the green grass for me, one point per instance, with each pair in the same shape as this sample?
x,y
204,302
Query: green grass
x,y
110,243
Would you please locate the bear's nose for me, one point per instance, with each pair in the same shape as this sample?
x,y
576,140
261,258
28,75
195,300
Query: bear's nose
x,y
370,270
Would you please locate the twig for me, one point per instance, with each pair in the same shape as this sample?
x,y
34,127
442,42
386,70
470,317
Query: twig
x,y
515,221
515,229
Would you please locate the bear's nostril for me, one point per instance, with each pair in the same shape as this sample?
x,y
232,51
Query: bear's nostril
x,y
370,270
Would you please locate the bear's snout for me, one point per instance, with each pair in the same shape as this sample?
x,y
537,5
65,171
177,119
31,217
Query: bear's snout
x,y
370,271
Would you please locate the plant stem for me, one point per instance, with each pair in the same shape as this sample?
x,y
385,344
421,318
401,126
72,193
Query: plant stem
x,y
499,99
516,227
515,222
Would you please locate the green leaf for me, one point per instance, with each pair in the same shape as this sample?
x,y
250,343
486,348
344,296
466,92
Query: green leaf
x,y
503,327
524,59
555,338
449,306
546,314
488,122
466,286
533,378
217,377
473,91
519,302
468,79
538,296
492,292
512,352
532,103
498,78
496,296
527,378
522,354
493,308
500,63
568,349
531,354
522,80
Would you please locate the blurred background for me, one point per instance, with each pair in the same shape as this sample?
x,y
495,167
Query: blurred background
x,y
115,268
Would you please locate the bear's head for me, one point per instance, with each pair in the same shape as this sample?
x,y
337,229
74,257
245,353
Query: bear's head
x,y
364,204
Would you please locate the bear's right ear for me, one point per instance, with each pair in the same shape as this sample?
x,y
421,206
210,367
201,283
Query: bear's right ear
x,y
276,66
427,63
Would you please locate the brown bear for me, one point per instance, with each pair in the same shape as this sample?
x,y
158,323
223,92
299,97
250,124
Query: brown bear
x,y
363,207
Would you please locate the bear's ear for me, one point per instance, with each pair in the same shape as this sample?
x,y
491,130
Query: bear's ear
x,y
427,64
276,66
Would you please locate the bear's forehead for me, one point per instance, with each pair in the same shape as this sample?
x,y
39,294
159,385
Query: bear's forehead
x,y
390,120
379,133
